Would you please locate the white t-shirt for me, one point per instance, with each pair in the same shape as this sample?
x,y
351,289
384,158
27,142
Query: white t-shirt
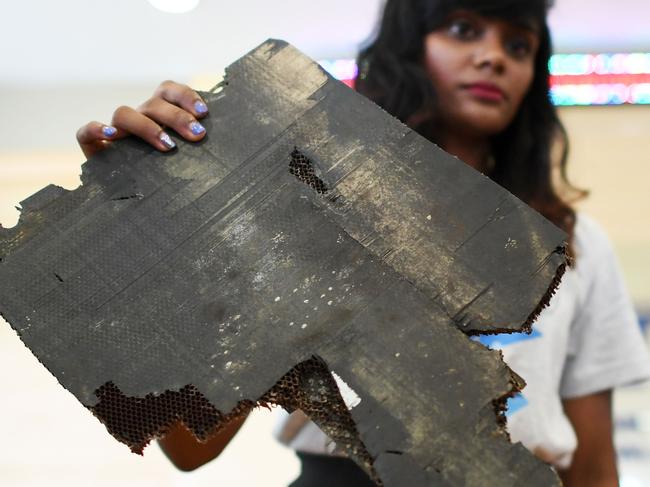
x,y
587,340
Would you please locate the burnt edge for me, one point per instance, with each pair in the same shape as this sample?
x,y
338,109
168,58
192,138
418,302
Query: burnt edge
x,y
500,404
527,326
552,289
517,383
308,386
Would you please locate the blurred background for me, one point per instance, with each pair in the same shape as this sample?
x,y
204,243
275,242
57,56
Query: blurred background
x,y
65,63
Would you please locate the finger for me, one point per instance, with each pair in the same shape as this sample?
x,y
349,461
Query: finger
x,y
127,119
183,122
96,136
182,96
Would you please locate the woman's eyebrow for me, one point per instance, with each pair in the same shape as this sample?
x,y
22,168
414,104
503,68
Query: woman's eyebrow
x,y
462,13
529,25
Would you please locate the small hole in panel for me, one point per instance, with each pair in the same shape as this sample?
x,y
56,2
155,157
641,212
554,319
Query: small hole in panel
x,y
302,168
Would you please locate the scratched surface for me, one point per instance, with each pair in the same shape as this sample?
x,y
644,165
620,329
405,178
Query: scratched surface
x,y
308,225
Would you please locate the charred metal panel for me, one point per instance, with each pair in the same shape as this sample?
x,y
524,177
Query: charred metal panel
x,y
309,231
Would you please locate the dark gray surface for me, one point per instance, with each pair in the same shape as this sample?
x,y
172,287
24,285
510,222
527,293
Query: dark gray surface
x,y
215,266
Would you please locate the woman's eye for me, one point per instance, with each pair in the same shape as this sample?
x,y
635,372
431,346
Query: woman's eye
x,y
519,48
463,29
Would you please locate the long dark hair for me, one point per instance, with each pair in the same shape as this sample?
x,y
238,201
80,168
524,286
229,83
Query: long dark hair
x,y
392,74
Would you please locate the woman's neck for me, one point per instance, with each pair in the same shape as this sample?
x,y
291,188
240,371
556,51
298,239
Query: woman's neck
x,y
474,151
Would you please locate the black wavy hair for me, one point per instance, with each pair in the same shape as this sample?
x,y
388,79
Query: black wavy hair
x,y
391,73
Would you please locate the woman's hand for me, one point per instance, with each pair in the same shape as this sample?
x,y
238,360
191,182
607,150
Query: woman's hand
x,y
172,105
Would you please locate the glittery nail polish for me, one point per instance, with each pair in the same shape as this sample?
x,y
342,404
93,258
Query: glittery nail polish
x,y
200,107
167,140
108,131
197,128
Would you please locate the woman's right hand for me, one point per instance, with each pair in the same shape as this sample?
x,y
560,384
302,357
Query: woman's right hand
x,y
172,105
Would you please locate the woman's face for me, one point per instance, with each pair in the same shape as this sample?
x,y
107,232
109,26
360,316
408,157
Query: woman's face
x,y
481,69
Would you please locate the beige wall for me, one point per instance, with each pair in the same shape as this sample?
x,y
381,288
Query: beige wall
x,y
610,156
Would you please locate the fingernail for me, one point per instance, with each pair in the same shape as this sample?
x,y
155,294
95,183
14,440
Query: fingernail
x,y
167,140
200,107
197,128
108,131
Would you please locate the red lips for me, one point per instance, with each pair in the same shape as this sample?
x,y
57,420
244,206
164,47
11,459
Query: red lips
x,y
486,91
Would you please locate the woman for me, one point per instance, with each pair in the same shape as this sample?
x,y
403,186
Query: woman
x,y
472,76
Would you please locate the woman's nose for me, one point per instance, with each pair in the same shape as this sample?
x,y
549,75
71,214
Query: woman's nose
x,y
490,52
